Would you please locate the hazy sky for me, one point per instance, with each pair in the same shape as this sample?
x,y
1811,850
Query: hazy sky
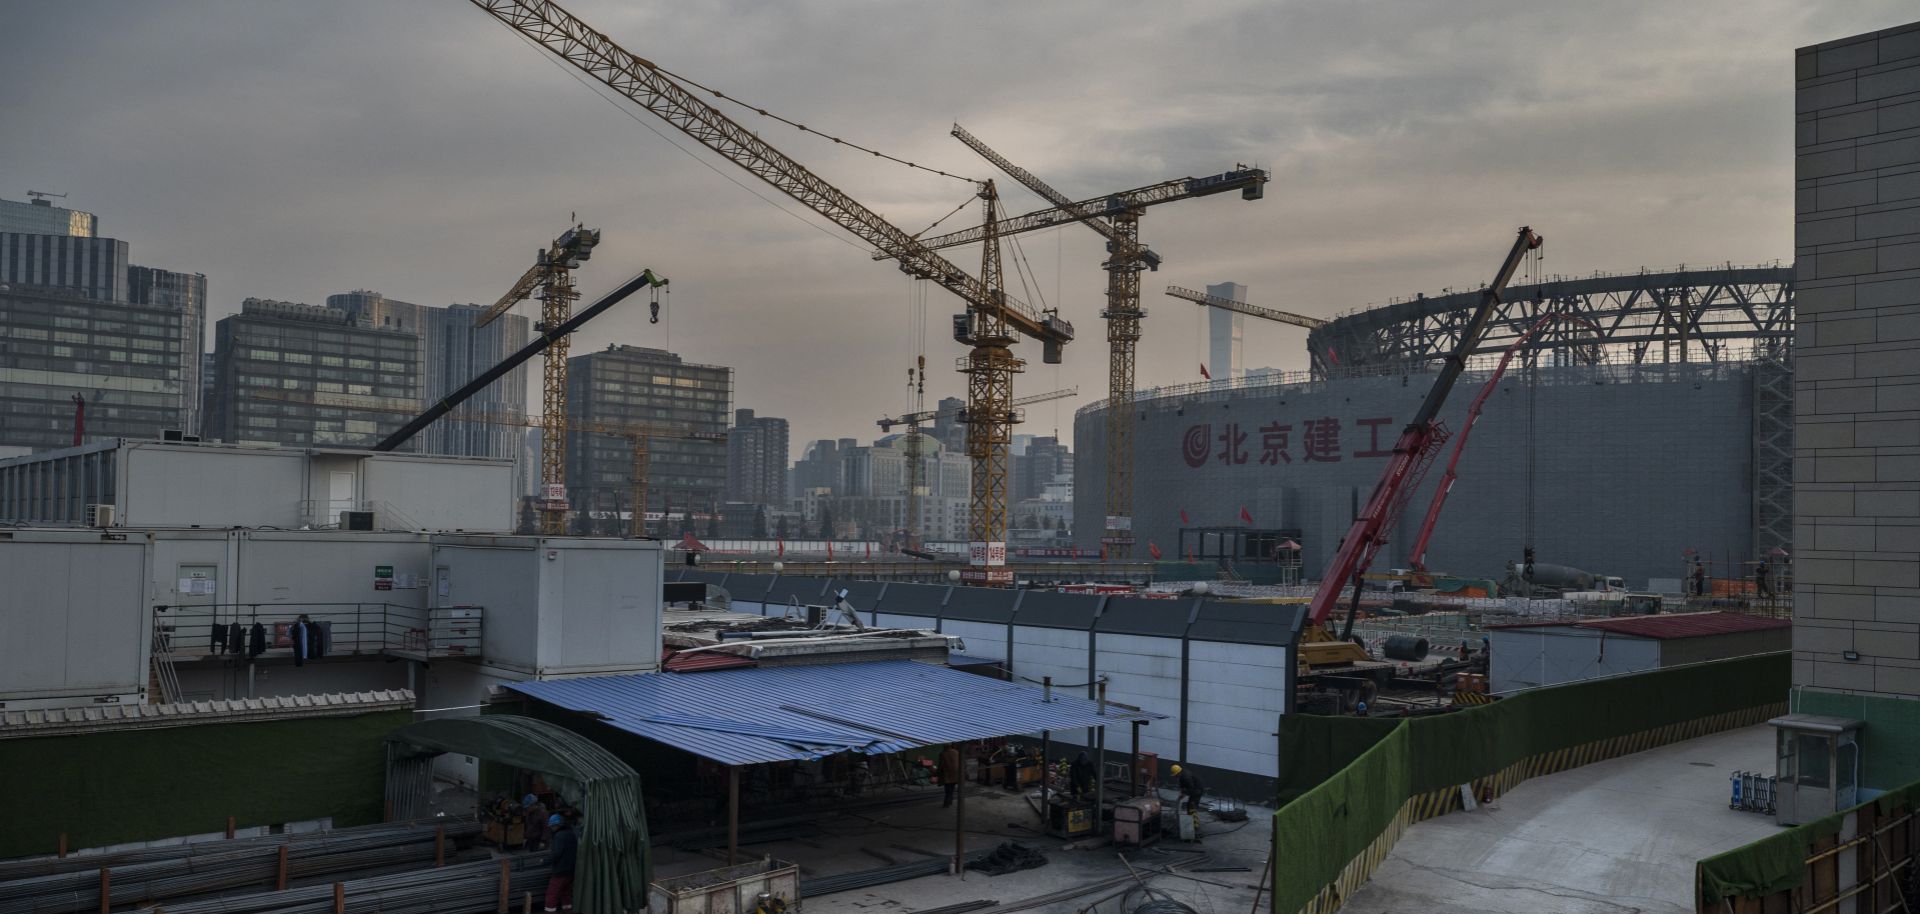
x,y
293,149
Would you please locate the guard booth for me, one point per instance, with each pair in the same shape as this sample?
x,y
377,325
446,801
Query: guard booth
x,y
1818,766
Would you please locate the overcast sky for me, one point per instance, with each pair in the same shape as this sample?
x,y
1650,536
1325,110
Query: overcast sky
x,y
294,149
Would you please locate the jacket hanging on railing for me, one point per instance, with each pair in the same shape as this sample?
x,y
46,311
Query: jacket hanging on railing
x,y
257,641
219,638
236,639
320,634
297,635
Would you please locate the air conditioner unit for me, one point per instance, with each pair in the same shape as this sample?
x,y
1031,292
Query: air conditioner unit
x,y
356,520
99,515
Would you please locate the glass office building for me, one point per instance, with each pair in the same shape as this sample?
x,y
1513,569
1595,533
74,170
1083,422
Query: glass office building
x,y
627,385
310,376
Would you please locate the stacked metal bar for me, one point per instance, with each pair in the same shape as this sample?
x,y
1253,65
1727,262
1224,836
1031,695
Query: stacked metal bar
x,y
461,829
860,879
213,867
465,888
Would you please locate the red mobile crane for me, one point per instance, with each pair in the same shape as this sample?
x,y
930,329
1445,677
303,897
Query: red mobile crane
x,y
1412,456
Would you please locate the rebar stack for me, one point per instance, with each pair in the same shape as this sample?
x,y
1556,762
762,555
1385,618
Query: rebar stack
x,y
466,888
187,871
462,830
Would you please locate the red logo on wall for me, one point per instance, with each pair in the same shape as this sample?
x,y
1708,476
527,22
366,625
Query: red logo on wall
x,y
1197,444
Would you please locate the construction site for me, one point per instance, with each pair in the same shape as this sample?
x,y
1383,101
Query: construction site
x,y
1576,593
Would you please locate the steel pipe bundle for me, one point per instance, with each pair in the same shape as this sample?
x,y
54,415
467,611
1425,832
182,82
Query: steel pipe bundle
x,y
217,868
860,879
458,889
462,829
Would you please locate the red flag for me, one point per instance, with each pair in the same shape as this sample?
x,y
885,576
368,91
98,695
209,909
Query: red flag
x,y
1154,549
869,549
1103,552
1203,371
829,548
779,548
1183,516
1244,516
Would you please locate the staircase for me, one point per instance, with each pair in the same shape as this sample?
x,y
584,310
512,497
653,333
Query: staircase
x,y
163,680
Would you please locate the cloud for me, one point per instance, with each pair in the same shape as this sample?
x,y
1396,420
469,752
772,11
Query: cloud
x,y
291,150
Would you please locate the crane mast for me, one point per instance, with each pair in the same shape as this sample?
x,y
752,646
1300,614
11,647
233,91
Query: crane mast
x,y
1412,454
1115,217
989,368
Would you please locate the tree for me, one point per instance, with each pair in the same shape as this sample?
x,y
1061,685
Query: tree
x,y
713,522
780,527
759,522
826,522
529,521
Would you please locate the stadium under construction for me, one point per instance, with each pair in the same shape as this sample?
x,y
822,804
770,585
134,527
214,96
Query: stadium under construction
x,y
1648,426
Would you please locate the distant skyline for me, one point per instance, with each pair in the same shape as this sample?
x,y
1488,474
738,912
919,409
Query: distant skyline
x,y
291,150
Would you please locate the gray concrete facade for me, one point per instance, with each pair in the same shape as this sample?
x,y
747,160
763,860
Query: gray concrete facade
x,y
1632,465
1857,393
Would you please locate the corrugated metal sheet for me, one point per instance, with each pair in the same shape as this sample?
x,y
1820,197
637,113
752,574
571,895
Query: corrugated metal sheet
x,y
138,717
770,714
1668,626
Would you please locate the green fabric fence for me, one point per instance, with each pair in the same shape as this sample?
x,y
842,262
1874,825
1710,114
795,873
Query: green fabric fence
x,y
119,786
1778,863
1349,777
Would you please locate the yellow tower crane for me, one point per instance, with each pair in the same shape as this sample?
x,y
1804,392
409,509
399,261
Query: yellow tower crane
x,y
550,279
1115,217
993,317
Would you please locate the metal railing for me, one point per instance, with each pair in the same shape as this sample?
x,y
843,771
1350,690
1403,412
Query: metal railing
x,y
193,632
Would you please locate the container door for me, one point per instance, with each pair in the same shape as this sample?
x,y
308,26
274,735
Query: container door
x,y
339,494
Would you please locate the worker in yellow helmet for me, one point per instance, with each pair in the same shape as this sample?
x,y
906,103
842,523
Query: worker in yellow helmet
x,y
1190,787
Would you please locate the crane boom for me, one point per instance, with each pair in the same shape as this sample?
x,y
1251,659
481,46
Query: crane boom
x,y
1413,451
1247,181
637,78
930,414
1032,182
1228,304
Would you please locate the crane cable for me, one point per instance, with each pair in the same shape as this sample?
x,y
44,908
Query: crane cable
x,y
805,129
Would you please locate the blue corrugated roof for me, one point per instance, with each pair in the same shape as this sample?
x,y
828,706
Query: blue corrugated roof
x,y
771,714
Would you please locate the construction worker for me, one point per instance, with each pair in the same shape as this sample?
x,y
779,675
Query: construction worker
x,y
1761,581
535,813
1080,776
950,773
1699,579
566,847
1190,787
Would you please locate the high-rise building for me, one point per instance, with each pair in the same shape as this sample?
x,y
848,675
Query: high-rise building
x,y
457,351
1225,333
81,329
454,349
184,294
873,490
40,217
624,385
1853,562
757,459
1045,459
333,380
947,425
126,360
93,267
818,468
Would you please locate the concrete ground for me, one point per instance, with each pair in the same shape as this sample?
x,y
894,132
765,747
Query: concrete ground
x,y
1614,837
851,840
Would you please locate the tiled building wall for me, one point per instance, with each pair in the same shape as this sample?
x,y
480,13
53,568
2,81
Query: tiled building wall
x,y
1857,467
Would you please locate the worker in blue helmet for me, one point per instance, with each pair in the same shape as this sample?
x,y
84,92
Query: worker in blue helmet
x,y
566,847
534,814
